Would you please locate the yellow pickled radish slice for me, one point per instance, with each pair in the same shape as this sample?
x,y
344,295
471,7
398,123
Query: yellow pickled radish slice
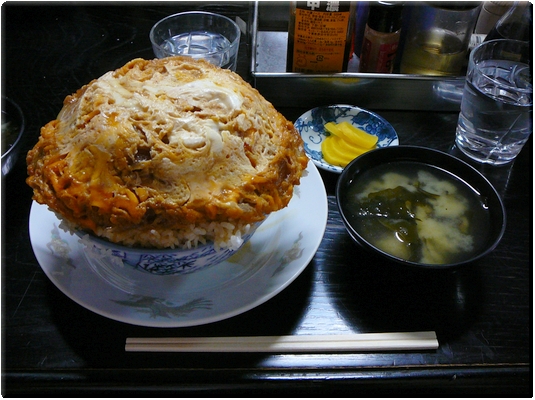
x,y
357,136
333,128
330,148
351,148
345,143
352,134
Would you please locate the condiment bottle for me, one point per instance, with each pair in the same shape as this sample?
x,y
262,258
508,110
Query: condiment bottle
x,y
381,37
490,13
319,36
517,24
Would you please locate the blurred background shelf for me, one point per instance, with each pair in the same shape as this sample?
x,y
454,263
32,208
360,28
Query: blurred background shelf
x,y
269,36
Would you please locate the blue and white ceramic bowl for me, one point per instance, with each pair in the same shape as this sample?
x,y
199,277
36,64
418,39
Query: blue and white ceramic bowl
x,y
156,261
311,124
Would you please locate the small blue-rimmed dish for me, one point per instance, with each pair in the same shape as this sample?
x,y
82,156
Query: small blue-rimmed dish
x,y
311,127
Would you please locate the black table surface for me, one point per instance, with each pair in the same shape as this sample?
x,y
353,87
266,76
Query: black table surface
x,y
53,346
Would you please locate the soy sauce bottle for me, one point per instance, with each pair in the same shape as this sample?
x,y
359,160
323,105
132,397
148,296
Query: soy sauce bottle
x,y
319,36
381,37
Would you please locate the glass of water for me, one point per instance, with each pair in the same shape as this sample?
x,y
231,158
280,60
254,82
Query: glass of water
x,y
496,117
197,34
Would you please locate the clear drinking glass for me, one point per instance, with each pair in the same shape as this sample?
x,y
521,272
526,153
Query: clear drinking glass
x,y
197,34
496,117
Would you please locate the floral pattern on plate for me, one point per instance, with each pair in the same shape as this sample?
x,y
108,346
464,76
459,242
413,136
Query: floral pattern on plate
x,y
155,307
311,127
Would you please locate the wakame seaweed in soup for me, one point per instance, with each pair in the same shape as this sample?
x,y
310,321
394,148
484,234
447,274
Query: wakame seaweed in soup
x,y
418,213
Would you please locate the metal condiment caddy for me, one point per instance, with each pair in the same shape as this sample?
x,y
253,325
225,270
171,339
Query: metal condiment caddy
x,y
269,36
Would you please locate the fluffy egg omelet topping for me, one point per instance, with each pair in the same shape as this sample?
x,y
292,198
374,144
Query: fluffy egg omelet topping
x,y
165,144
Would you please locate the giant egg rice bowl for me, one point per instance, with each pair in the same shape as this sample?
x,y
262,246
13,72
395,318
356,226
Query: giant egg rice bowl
x,y
166,153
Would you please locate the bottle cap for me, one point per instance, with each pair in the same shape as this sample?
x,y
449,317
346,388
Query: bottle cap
x,y
497,8
385,16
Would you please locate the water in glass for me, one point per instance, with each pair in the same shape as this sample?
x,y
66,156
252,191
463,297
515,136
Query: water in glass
x,y
200,44
496,111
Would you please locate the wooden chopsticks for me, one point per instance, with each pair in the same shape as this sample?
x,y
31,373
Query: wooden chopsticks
x,y
393,341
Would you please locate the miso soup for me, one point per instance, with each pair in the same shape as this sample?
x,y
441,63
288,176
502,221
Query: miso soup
x,y
418,213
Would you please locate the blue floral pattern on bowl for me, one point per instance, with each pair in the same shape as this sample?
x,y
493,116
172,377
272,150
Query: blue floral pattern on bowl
x,y
160,261
311,124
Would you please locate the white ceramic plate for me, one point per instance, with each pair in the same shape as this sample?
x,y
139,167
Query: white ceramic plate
x,y
276,254
310,126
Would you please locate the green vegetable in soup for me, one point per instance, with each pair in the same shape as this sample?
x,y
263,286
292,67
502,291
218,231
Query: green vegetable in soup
x,y
418,218
394,203
394,209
